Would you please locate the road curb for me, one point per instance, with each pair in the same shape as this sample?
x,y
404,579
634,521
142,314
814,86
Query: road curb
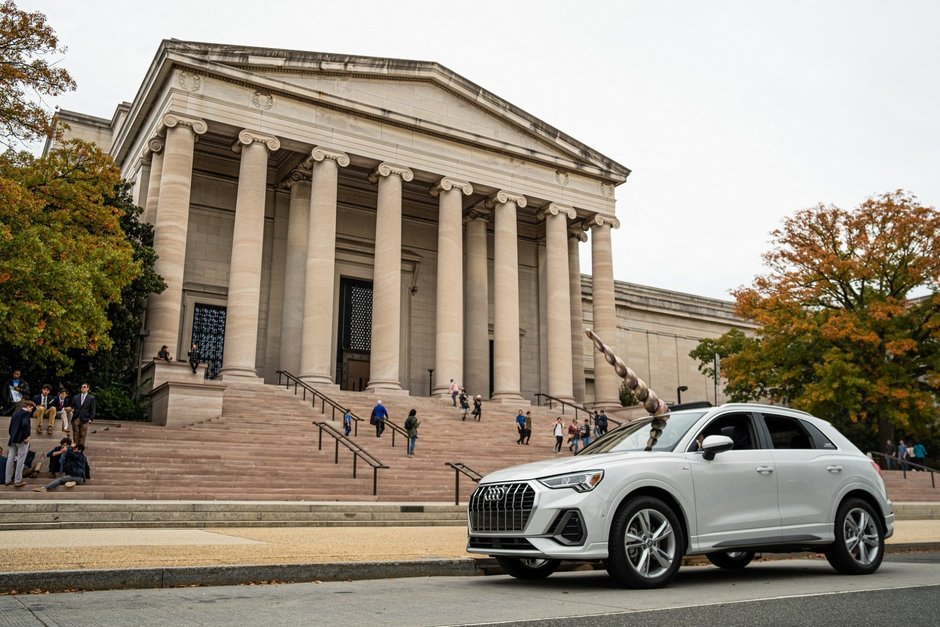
x,y
175,577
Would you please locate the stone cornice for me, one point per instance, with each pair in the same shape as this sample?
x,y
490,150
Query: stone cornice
x,y
387,169
198,126
554,209
446,184
320,154
502,197
247,137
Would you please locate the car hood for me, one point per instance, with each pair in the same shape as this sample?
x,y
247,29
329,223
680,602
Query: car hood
x,y
552,466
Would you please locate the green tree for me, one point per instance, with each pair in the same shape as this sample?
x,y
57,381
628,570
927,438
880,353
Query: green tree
x,y
64,258
26,75
849,317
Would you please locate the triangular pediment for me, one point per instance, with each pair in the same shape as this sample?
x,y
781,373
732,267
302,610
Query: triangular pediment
x,y
422,95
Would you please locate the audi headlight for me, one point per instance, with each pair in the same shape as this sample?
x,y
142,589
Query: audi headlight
x,y
577,481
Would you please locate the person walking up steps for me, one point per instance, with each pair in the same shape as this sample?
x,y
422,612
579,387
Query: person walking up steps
x,y
559,430
520,426
379,414
411,429
454,391
477,408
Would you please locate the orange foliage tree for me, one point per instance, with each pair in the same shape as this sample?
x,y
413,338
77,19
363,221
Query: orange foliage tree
x,y
849,317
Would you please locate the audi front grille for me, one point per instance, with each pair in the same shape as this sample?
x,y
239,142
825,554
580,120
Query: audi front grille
x,y
501,507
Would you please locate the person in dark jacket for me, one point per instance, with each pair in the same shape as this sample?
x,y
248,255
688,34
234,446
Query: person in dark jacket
x,y
63,408
76,467
45,408
84,409
56,456
20,428
15,391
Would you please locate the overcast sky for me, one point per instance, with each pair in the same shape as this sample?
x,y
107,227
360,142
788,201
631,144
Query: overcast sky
x,y
731,115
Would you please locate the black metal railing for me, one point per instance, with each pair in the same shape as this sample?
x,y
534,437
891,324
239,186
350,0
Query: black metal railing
x,y
305,389
904,464
578,409
462,469
357,451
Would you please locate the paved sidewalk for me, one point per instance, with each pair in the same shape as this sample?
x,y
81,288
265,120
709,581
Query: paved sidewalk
x,y
134,558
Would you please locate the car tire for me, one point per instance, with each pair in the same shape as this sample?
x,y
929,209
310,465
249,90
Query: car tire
x,y
730,559
860,539
646,544
527,567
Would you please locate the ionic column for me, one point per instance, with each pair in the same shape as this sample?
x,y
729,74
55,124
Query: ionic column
x,y
244,282
575,237
477,306
386,279
559,299
448,339
507,384
295,271
316,357
169,233
606,382
155,146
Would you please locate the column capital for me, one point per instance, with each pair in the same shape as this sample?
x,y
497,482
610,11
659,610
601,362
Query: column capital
x,y
477,212
446,184
248,137
297,175
503,196
198,126
321,154
577,232
154,144
554,209
387,169
598,220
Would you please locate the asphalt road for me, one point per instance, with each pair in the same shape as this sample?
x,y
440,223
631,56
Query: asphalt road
x,y
905,591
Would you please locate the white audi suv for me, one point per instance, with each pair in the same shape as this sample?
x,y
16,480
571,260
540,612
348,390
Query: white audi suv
x,y
726,482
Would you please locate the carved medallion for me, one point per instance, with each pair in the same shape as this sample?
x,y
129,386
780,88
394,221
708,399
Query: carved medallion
x,y
189,81
261,100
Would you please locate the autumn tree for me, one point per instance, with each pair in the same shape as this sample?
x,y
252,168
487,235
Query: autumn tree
x,y
849,318
64,258
26,76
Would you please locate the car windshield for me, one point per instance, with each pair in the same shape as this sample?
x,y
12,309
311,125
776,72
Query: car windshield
x,y
633,436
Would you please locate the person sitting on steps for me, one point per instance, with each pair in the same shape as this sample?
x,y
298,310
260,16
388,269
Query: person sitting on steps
x,y
76,467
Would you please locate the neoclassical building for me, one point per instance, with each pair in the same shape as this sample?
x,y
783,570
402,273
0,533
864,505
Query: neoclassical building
x,y
376,224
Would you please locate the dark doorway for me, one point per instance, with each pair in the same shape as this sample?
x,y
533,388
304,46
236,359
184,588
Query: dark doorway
x,y
354,343
209,334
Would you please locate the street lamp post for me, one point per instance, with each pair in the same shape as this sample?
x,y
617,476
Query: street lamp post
x,y
430,381
679,391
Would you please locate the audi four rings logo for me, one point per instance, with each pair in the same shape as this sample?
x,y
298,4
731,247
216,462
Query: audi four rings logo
x,y
495,493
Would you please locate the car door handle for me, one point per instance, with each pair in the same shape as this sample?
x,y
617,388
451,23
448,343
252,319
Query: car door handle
x,y
764,470
834,469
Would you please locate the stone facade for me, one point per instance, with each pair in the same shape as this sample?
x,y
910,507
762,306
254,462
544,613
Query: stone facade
x,y
360,221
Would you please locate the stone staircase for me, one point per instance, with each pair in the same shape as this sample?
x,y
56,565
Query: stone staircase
x,y
917,487
264,448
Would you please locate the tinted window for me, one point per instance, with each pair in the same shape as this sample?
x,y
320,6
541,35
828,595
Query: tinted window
x,y
738,427
787,433
634,436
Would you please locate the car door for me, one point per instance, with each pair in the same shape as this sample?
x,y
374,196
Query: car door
x,y
810,472
736,492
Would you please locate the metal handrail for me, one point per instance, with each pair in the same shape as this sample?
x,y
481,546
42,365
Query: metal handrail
x,y
316,394
459,469
903,464
356,450
577,408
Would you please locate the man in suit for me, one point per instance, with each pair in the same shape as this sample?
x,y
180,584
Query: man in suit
x,y
44,409
63,408
83,412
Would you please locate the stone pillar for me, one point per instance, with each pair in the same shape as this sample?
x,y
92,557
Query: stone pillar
x,y
477,306
169,236
155,145
295,271
606,381
316,357
448,338
244,281
507,381
575,237
386,279
558,304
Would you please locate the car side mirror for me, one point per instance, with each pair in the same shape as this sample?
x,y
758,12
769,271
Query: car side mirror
x,y
715,444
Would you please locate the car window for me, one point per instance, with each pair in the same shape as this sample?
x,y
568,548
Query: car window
x,y
819,438
634,436
787,432
737,426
